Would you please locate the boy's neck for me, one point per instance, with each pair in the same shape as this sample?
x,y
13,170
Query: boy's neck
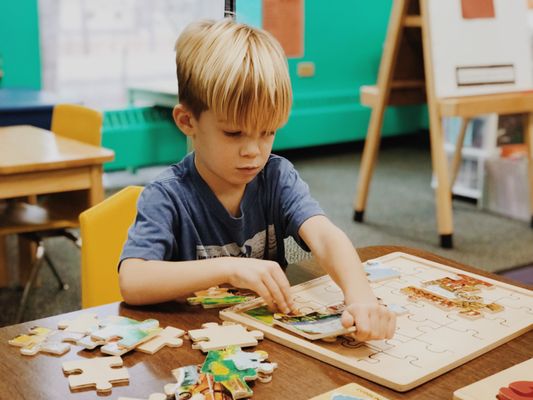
x,y
230,196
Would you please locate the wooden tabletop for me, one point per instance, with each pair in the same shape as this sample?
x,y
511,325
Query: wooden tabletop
x,y
297,377
25,148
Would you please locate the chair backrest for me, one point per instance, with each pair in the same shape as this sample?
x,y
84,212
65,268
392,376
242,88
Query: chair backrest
x,y
77,122
104,229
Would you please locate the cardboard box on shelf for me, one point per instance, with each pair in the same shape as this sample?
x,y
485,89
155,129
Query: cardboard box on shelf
x,y
507,187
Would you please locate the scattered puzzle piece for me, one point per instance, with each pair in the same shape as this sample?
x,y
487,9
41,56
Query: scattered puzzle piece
x,y
120,334
153,396
213,336
167,337
96,372
194,385
85,323
234,367
45,340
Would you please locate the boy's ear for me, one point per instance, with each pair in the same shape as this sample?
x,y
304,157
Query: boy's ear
x,y
184,119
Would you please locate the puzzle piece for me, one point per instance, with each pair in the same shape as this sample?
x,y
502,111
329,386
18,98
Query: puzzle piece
x,y
45,340
378,273
193,385
96,372
85,323
153,396
250,366
216,297
120,334
213,336
167,337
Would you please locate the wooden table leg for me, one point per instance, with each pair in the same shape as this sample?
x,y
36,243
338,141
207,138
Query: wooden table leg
x,y
96,192
528,138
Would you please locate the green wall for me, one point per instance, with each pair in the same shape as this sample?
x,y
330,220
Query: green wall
x,y
19,44
344,40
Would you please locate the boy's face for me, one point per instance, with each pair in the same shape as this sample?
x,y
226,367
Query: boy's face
x,y
227,157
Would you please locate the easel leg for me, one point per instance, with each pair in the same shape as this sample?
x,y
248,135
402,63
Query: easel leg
x,y
528,138
368,162
443,189
385,75
438,154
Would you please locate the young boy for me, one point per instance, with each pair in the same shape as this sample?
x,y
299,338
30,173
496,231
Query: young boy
x,y
221,214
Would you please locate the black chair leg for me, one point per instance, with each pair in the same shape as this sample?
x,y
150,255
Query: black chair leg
x,y
62,284
31,281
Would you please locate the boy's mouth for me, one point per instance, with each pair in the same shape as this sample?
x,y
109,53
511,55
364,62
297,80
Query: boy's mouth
x,y
248,170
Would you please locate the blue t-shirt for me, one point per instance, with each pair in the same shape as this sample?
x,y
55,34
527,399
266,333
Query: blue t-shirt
x,y
179,218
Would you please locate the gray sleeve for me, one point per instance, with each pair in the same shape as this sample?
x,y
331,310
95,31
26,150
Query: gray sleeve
x,y
151,237
296,203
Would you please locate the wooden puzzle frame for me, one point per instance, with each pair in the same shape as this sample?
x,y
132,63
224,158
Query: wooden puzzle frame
x,y
414,355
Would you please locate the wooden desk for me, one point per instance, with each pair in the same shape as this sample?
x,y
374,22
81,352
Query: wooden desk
x,y
298,376
34,161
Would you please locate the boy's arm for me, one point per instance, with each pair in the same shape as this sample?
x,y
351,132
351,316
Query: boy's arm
x,y
336,254
150,282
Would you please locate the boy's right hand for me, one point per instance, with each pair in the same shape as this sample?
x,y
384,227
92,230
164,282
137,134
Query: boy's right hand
x,y
264,277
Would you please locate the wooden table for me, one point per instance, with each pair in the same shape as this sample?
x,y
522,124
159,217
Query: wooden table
x,y
298,376
34,161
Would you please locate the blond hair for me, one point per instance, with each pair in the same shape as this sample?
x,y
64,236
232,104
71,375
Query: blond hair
x,y
236,71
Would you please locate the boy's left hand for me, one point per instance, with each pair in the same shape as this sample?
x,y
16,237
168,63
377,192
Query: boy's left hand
x,y
373,321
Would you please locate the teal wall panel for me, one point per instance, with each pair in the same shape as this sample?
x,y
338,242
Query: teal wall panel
x,y
19,44
344,40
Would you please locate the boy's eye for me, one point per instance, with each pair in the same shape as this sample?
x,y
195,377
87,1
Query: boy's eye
x,y
269,133
232,133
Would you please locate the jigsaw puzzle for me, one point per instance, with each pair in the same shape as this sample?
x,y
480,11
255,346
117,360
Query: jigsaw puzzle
x,y
213,336
512,383
99,372
452,316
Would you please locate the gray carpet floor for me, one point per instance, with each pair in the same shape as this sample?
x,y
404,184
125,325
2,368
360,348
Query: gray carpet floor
x,y
400,211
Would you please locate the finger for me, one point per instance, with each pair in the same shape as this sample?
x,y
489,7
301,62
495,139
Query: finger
x,y
263,291
377,321
285,287
391,326
362,322
276,293
347,319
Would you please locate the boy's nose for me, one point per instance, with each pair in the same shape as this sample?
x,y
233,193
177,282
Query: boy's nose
x,y
250,149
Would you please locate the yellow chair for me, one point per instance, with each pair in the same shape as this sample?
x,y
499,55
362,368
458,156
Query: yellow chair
x,y
104,229
77,122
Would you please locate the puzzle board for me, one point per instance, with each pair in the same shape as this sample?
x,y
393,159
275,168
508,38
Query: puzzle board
x,y
429,340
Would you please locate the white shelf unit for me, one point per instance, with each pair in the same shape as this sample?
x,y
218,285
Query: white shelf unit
x,y
479,145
